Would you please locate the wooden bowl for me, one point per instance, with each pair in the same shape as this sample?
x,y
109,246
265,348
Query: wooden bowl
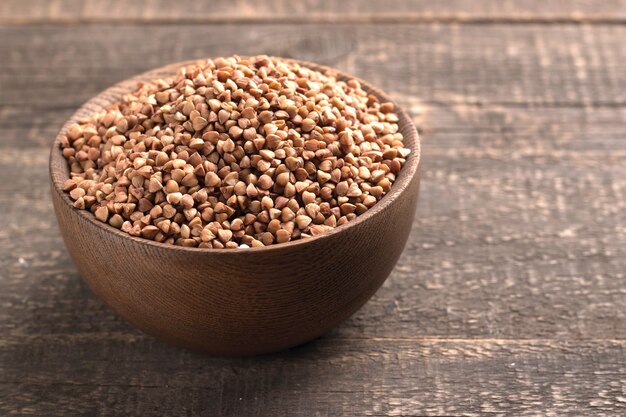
x,y
238,301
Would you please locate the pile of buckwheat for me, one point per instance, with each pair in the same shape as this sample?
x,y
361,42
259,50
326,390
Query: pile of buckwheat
x,y
235,152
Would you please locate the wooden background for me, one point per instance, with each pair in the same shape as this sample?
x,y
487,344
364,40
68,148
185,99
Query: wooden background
x,y
510,297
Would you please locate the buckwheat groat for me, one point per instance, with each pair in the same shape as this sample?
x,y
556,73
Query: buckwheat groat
x,y
235,152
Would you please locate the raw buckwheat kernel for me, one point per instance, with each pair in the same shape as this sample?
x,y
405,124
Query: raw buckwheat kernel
x,y
235,152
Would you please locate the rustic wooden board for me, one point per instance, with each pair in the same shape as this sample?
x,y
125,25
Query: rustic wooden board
x,y
445,127
355,377
510,297
218,11
547,65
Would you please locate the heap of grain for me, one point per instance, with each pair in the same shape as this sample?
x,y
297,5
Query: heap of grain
x,y
235,152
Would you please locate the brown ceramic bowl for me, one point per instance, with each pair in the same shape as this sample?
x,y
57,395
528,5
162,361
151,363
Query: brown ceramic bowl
x,y
238,301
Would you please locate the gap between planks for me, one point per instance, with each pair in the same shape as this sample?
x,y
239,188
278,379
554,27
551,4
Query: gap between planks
x,y
318,19
121,336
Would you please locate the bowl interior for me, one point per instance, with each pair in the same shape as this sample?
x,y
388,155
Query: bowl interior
x,y
59,169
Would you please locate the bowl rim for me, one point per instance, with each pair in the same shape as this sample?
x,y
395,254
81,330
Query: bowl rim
x,y
407,173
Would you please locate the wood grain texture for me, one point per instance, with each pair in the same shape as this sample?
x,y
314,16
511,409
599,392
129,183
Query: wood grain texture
x,y
278,11
328,377
516,256
539,65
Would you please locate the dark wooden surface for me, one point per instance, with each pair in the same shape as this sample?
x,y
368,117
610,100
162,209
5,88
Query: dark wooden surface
x,y
510,298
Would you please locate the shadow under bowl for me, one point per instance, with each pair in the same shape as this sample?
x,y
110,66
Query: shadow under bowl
x,y
238,301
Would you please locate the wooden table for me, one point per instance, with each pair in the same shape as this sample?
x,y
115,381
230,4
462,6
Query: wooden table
x,y
510,297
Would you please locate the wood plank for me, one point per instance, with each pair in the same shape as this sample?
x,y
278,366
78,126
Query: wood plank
x,y
481,11
327,377
556,65
452,128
